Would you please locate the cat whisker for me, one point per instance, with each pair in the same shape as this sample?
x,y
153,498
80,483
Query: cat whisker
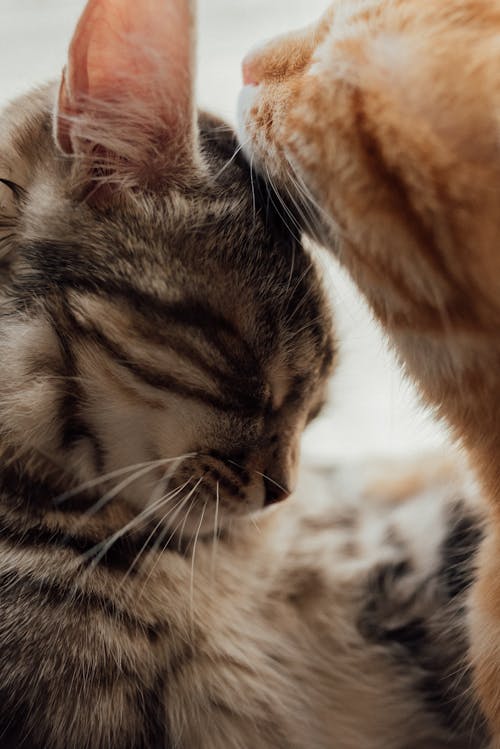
x,y
272,481
108,497
222,128
298,182
300,279
104,546
112,493
116,474
304,210
97,506
159,546
308,209
300,306
310,324
292,268
238,150
293,226
254,202
172,468
167,497
259,473
286,218
254,522
193,559
178,509
216,527
191,493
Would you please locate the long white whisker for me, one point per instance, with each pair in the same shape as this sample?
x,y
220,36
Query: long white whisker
x,y
299,306
104,546
115,474
106,498
259,473
268,478
291,228
254,202
303,275
305,327
181,532
299,183
254,522
304,209
191,585
178,509
167,498
216,529
230,161
294,226
159,545
173,468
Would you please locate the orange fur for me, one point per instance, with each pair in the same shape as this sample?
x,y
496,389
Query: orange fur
x,y
390,131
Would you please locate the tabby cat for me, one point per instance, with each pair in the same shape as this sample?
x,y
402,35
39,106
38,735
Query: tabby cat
x,y
163,342
380,123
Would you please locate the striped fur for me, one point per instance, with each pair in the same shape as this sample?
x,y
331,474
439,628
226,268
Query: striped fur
x,y
168,326
155,340
163,341
380,123
337,621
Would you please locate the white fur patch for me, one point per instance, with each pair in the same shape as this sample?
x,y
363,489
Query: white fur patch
x,y
246,100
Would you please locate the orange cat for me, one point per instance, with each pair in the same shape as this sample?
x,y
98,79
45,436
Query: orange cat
x,y
381,124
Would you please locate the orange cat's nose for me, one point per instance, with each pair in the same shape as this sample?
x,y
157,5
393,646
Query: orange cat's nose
x,y
250,77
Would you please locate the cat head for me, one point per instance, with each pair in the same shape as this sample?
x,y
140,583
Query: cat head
x,y
159,326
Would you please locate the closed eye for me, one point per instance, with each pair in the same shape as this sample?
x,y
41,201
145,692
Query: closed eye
x,y
169,360
18,192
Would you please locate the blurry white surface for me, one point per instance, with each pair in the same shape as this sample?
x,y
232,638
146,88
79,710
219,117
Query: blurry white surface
x,y
372,411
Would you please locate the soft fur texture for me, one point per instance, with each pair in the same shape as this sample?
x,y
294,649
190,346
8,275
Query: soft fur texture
x,y
163,341
380,125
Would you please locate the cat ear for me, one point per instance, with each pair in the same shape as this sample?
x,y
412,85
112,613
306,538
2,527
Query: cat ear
x,y
126,98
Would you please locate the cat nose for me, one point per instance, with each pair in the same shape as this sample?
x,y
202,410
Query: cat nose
x,y
274,492
249,69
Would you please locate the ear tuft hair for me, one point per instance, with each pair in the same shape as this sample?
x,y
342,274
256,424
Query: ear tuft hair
x,y
126,100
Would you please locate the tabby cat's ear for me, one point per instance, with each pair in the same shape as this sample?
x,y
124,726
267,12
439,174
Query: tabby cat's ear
x,y
126,100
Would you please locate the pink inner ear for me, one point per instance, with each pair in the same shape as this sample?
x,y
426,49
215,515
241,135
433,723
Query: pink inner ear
x,y
131,50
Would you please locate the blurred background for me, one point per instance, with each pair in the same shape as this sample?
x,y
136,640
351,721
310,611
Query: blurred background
x,y
372,410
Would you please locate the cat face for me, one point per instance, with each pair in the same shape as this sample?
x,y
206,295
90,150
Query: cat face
x,y
159,324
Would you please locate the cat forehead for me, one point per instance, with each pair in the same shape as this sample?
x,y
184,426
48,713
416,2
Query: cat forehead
x,y
29,157
219,213
218,240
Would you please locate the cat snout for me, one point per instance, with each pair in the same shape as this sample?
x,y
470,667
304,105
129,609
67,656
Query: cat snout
x,y
249,71
245,478
274,491
278,480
